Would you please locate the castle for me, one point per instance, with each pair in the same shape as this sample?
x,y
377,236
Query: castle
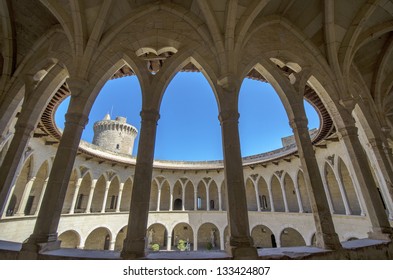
x,y
329,195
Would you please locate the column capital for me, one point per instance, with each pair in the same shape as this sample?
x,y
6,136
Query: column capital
x,y
376,143
348,131
229,116
26,128
77,85
298,122
78,119
150,115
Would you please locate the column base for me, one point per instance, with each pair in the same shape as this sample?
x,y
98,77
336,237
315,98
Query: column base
x,y
381,234
241,248
134,249
33,247
328,241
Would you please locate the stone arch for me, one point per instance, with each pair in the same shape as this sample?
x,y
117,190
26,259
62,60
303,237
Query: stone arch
x,y
70,239
208,234
349,187
189,196
182,231
159,235
37,189
165,196
334,190
126,195
19,187
121,235
201,196
261,235
290,194
251,196
213,196
99,193
278,200
113,195
290,237
263,195
83,194
98,239
303,192
224,200
154,203
177,196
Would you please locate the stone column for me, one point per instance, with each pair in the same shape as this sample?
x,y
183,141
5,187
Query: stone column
x,y
12,160
362,174
343,193
169,243
7,204
240,240
112,245
75,196
195,200
159,198
219,200
269,189
327,192
384,171
107,185
183,198
298,197
91,194
134,244
119,198
207,197
170,199
25,197
41,197
326,237
284,195
44,236
195,241
257,195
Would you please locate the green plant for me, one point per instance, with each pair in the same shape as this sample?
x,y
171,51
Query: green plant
x,y
209,246
155,247
181,245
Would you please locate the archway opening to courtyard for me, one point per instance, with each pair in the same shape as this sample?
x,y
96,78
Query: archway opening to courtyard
x,y
98,239
261,235
290,237
157,237
120,239
208,237
183,237
69,239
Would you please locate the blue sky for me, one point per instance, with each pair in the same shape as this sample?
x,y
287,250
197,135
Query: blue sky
x,y
188,128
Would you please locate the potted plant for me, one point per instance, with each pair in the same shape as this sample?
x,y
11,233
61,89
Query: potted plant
x,y
155,247
181,245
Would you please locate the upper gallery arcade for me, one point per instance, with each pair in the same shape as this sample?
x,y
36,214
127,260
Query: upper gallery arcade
x,y
322,191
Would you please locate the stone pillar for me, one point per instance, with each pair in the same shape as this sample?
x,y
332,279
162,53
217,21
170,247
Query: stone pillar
x,y
269,189
25,197
91,194
134,244
183,198
257,195
75,196
327,192
107,185
169,243
362,174
195,241
207,198
195,199
12,160
119,197
343,193
170,199
241,244
159,198
384,171
112,245
41,197
326,236
44,236
4,214
284,195
219,200
298,197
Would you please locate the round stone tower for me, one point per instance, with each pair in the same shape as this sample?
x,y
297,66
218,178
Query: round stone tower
x,y
115,135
